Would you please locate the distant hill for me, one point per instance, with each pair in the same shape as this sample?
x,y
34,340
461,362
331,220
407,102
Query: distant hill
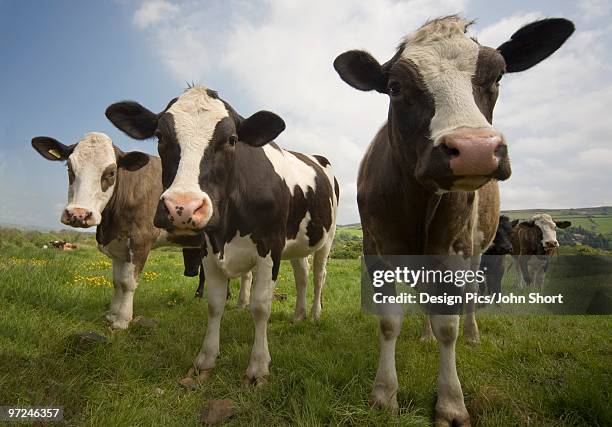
x,y
597,220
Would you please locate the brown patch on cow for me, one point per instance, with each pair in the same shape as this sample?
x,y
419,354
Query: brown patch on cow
x,y
130,211
108,177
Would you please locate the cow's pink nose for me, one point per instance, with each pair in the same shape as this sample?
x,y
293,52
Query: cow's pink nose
x,y
187,211
77,217
474,151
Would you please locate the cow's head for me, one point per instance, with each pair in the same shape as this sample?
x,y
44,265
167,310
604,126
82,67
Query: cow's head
x,y
93,164
547,230
502,243
197,136
443,86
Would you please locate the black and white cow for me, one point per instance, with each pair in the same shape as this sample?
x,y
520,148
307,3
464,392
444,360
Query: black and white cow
x,y
116,192
254,202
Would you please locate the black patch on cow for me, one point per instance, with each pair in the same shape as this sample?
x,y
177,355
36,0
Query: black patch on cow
x,y
322,160
317,203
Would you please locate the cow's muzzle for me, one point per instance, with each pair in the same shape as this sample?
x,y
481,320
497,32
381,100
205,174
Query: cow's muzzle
x,y
78,217
187,212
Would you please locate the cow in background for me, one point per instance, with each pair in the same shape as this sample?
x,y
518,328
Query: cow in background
x,y
427,184
492,261
533,242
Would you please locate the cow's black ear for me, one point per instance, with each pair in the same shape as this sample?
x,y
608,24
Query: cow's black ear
x,y
261,128
133,119
133,160
513,223
563,224
535,42
52,149
360,70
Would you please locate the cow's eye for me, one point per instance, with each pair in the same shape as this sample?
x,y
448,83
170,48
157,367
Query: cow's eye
x,y
499,78
395,88
233,140
157,134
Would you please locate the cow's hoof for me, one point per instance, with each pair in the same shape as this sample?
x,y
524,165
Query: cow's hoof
x,y
110,316
451,416
472,339
257,382
204,375
444,421
188,383
381,398
315,314
299,317
120,324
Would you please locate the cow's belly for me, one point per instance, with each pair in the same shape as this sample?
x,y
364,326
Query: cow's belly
x,y
299,247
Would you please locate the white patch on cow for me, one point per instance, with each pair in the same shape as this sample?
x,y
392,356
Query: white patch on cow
x,y
239,255
91,156
299,247
290,168
195,115
446,59
548,227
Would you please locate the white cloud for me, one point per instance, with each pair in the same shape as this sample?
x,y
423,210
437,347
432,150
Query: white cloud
x,y
152,12
496,34
594,8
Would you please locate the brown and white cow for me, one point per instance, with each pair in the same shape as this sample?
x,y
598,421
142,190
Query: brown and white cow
x,y
117,192
428,181
255,203
533,242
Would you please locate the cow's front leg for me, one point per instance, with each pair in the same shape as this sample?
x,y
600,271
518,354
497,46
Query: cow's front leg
x,y
217,295
245,290
125,278
384,393
261,302
117,294
450,407
470,327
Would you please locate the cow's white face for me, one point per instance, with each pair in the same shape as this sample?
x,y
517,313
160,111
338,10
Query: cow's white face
x,y
92,169
549,230
197,138
447,58
194,117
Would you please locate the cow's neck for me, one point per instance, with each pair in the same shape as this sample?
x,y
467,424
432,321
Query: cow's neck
x,y
443,216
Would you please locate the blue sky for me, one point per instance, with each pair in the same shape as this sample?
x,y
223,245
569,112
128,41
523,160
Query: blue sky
x,y
64,62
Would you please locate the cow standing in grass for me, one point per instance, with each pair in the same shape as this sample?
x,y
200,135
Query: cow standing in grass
x,y
255,203
117,192
428,182
533,242
492,262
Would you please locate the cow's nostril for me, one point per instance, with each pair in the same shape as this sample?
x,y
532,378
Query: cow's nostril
x,y
449,149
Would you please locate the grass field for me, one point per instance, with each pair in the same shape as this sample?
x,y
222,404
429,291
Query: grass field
x,y
537,371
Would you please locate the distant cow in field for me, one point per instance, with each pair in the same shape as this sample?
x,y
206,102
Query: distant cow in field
x,y
427,184
255,203
117,192
492,261
533,242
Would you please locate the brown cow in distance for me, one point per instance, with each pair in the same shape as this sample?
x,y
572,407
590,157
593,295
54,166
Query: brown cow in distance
x,y
428,182
533,242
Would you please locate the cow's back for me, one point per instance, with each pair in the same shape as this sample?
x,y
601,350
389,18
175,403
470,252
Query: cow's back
x,y
282,195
